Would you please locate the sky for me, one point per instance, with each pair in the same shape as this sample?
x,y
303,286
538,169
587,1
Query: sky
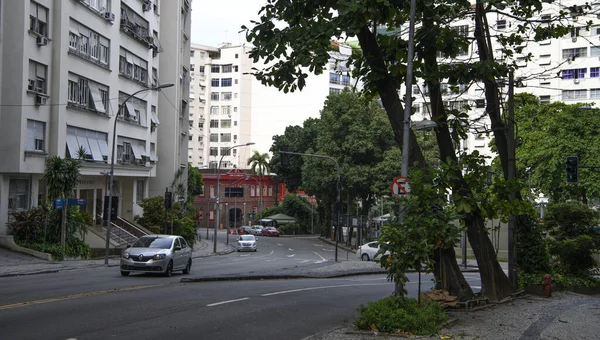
x,y
218,21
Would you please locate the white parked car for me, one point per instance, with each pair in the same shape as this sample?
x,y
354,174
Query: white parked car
x,y
246,243
368,251
256,230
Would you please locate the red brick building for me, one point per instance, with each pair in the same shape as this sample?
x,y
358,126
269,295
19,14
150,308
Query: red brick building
x,y
248,193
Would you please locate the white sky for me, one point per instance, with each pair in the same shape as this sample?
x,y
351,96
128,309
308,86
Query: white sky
x,y
218,21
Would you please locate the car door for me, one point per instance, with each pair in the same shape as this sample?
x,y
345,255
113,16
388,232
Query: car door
x,y
177,252
373,249
186,253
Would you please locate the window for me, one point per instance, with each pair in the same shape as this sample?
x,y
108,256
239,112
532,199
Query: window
x,y
235,109
214,137
18,194
270,190
594,51
94,143
215,82
575,32
84,93
214,152
214,96
480,103
214,110
574,94
226,95
572,53
345,80
595,30
192,53
237,56
236,81
463,31
546,18
226,137
37,77
38,19
594,93
190,137
594,72
134,67
215,68
135,110
35,136
140,186
88,43
154,77
501,24
225,82
214,123
574,73
226,123
334,78
201,70
134,25
544,59
226,110
227,68
544,99
235,68
225,151
334,91
235,123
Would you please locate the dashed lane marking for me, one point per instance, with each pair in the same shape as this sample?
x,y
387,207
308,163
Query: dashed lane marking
x,y
228,301
323,287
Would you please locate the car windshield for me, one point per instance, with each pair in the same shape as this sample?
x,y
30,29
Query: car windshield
x,y
247,238
153,242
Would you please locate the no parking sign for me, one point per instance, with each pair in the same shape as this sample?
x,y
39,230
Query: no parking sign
x,y
400,186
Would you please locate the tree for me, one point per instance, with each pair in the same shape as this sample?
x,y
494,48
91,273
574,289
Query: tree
x,y
62,176
259,164
195,184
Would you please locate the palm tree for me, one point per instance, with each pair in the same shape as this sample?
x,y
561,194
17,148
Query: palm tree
x,y
61,176
259,164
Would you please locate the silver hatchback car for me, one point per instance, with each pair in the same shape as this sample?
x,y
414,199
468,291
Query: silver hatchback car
x,y
157,254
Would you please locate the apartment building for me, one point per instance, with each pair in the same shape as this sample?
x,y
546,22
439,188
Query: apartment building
x,y
66,69
220,106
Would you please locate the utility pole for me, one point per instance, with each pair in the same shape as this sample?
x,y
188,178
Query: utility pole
x,y
510,141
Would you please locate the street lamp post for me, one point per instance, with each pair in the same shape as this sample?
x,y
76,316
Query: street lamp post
x,y
112,165
219,193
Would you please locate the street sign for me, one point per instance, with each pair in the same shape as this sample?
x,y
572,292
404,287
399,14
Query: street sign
x,y
59,203
77,201
400,186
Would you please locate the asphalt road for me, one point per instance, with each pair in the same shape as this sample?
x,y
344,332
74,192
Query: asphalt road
x,y
99,303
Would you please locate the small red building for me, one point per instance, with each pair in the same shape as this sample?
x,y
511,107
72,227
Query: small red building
x,y
241,194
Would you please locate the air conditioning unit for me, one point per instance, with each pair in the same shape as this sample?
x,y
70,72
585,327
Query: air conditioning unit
x,y
40,100
42,41
146,6
108,16
31,85
576,81
574,39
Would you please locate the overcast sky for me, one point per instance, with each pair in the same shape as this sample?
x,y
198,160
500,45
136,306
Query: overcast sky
x,y
218,21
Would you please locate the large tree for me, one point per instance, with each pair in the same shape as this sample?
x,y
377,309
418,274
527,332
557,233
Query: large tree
x,y
293,36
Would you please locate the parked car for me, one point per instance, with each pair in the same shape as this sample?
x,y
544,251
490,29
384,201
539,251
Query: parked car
x,y
246,243
256,230
157,254
368,251
244,230
270,231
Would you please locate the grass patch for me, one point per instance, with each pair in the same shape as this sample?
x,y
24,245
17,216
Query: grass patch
x,y
401,315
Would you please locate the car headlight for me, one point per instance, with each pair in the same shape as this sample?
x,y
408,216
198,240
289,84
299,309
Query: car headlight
x,y
125,255
159,256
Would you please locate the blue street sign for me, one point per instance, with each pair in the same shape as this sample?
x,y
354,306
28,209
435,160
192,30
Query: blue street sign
x,y
77,201
59,203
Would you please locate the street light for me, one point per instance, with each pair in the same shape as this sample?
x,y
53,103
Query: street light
x,y
219,194
112,164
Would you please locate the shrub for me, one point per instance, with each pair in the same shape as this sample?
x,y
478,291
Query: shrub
x,y
73,248
531,247
185,227
399,314
559,281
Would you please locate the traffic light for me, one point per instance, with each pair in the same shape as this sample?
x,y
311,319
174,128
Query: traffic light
x,y
285,158
572,169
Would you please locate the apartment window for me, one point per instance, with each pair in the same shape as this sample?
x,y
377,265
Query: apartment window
x,y
93,142
595,30
226,110
345,80
501,24
546,18
544,59
225,151
214,137
18,194
575,32
214,82
190,137
594,72
134,67
226,123
226,137
154,77
480,103
135,110
594,93
192,53
572,53
463,31
213,152
574,94
201,70
227,68
38,19
334,91
82,92
214,96
214,123
235,123
574,73
594,51
140,186
88,43
37,77
235,68
35,136
135,25
237,56
334,78
544,99
214,110
154,118
252,191
215,68
444,87
225,82
235,109
226,95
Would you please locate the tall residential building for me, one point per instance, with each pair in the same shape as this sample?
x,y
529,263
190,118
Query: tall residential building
x,y
76,63
228,106
220,106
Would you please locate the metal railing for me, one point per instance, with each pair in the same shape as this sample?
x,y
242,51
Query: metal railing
x,y
120,235
131,228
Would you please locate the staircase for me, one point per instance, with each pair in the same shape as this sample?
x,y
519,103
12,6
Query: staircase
x,y
124,233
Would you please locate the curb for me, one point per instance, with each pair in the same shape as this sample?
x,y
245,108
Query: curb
x,y
274,277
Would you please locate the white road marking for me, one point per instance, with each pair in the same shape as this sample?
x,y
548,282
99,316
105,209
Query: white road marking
x,y
323,287
224,302
279,244
244,255
304,261
291,255
290,249
322,258
327,249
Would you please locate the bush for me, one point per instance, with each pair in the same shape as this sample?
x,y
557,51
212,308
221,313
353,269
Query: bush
x,y
73,248
289,229
559,281
398,314
531,247
185,227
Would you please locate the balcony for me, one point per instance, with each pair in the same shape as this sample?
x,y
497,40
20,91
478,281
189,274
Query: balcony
x,y
138,33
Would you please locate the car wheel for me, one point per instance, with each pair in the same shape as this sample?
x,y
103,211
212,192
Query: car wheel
x,y
169,269
188,268
364,257
238,250
255,250
124,273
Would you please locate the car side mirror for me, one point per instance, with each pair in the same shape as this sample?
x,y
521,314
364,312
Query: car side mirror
x,y
177,248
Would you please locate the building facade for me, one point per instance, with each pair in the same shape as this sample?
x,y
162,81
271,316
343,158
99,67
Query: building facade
x,y
63,89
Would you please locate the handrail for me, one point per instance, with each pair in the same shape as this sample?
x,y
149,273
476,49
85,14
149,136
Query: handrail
x,y
121,230
132,225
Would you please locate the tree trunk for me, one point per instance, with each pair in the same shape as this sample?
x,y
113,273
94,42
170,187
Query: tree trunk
x,y
445,272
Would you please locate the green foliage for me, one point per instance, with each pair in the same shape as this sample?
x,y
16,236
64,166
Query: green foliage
x,y
259,163
154,213
74,248
28,226
153,218
61,176
185,227
291,229
559,280
399,315
531,247
195,184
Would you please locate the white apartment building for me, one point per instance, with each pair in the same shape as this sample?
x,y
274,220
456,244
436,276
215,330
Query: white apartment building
x,y
231,107
66,67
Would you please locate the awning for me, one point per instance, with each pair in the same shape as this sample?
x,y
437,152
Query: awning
x,y
130,110
95,148
153,157
97,98
83,143
72,145
137,154
129,58
103,147
154,118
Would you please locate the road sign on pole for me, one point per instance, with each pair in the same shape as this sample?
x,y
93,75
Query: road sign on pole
x,y
400,186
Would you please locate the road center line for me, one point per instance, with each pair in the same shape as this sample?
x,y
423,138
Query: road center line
x,y
323,287
224,302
